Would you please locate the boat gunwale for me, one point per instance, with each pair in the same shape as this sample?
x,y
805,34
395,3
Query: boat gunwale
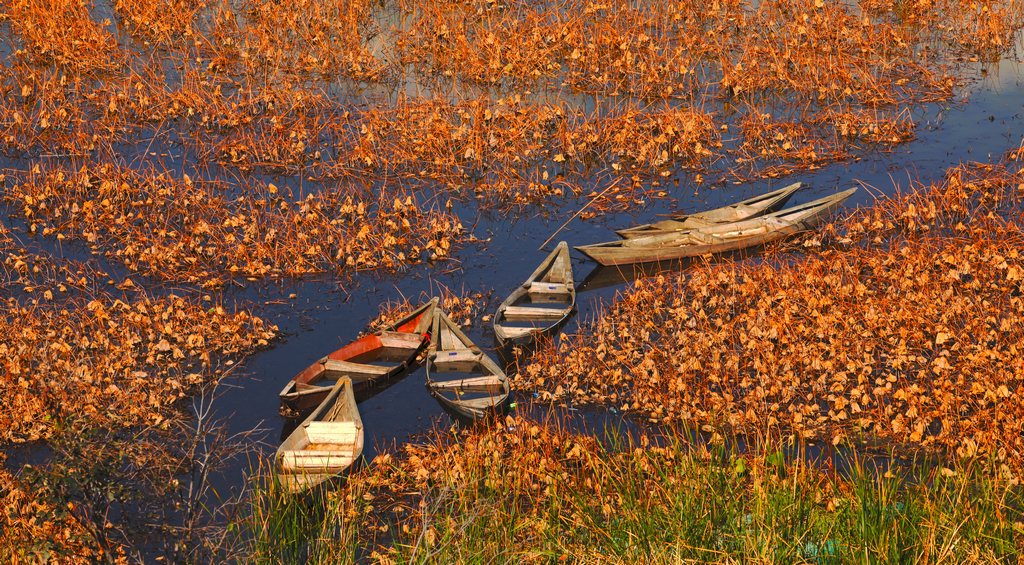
x,y
483,361
290,396
772,201
561,251
807,215
343,392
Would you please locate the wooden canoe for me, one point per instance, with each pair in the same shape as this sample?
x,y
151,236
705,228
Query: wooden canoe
x,y
369,361
464,380
520,319
325,444
718,238
743,210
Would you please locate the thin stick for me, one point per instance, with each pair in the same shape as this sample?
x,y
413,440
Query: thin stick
x,y
578,212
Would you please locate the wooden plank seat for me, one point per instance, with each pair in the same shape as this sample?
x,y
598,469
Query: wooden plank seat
x,y
331,446
482,403
537,287
316,460
331,432
457,359
507,332
707,238
490,384
401,340
526,313
690,237
744,232
326,383
356,371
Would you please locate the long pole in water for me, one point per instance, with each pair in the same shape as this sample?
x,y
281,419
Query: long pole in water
x,y
578,212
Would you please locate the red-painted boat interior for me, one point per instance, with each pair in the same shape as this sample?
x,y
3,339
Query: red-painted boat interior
x,y
366,349
308,375
411,325
362,350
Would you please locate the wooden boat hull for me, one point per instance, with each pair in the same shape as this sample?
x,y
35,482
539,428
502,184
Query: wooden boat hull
x,y
325,445
469,414
484,391
399,349
743,210
717,239
551,283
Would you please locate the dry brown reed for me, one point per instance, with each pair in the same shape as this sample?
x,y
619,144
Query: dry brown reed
x,y
829,53
480,41
976,30
31,517
160,22
62,33
463,307
309,38
94,373
229,86
39,112
822,52
82,354
845,78
908,333
509,148
76,350
194,231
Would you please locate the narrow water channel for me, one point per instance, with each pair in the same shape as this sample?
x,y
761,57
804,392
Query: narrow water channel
x,y
987,121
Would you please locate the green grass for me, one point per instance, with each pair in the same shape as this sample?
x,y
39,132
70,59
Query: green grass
x,y
625,503
312,527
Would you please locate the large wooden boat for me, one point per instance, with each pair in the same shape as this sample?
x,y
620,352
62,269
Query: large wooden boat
x,y
717,238
464,380
743,210
325,444
369,361
540,304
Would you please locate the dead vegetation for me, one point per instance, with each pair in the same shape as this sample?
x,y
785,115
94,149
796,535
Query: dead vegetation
x,y
462,307
36,529
78,352
95,371
530,490
160,22
310,38
196,142
905,329
63,33
196,232
571,91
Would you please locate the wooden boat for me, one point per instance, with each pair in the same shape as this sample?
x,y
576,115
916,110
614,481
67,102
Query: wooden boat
x,y
325,444
743,210
518,320
718,238
369,361
479,387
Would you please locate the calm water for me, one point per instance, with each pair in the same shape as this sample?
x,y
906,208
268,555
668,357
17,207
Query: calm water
x,y
323,317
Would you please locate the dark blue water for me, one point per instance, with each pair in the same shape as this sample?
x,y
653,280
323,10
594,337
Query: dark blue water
x,y
324,314
985,123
